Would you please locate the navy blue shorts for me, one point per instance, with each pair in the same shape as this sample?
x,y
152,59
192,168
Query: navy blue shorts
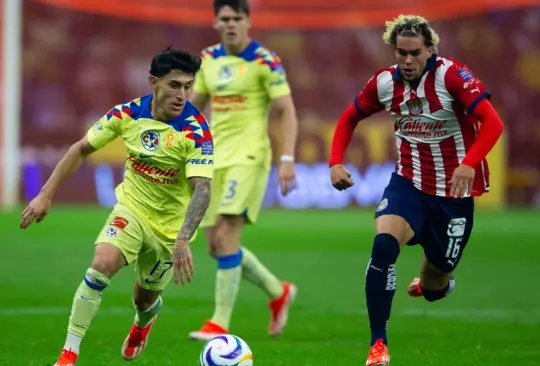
x,y
442,225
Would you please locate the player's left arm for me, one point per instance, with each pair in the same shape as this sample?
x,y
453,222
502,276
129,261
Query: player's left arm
x,y
471,93
199,169
279,92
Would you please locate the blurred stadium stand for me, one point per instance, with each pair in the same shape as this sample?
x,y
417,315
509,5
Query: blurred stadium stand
x,y
82,57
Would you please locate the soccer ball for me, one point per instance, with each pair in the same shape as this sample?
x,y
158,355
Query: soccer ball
x,y
226,350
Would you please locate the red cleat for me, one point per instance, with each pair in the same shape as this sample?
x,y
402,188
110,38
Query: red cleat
x,y
414,288
67,358
280,309
136,341
378,355
208,331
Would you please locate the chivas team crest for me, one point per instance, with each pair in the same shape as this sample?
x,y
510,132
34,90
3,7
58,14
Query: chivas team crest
x,y
415,106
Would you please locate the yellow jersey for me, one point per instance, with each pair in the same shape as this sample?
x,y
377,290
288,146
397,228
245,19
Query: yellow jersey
x,y
241,88
160,157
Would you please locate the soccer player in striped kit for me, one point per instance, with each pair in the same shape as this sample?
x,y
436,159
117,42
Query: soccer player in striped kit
x,y
445,126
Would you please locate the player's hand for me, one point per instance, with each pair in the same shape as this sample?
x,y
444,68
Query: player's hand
x,y
340,177
462,181
36,210
182,262
287,177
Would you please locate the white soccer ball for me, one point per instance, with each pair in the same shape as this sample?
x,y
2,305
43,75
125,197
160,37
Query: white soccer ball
x,y
226,350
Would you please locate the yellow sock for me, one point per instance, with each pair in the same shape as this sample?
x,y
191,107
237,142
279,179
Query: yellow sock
x,y
85,306
227,284
257,273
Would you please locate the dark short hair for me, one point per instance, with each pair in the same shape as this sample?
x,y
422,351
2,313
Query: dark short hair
x,y
239,6
174,59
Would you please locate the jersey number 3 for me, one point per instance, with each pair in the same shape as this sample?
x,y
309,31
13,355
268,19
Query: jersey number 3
x,y
231,189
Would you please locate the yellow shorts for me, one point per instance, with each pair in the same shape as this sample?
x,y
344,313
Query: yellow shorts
x,y
236,190
139,245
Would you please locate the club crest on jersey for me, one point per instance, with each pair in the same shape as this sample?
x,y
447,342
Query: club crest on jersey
x,y
150,140
225,74
111,232
415,106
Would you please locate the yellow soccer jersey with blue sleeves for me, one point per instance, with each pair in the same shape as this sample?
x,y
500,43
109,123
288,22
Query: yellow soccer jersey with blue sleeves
x,y
241,88
160,158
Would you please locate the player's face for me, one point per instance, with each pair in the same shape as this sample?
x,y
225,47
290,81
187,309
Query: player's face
x,y
412,56
232,26
171,92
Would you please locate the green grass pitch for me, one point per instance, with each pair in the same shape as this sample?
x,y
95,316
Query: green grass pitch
x,y
492,318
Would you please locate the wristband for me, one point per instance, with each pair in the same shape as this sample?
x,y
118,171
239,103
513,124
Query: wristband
x,y
287,159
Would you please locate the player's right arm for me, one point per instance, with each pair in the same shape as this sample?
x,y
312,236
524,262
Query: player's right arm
x,y
364,105
104,131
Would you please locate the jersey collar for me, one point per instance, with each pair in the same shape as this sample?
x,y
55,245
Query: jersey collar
x,y
146,113
430,65
247,54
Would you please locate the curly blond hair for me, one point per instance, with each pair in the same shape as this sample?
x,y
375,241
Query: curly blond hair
x,y
414,24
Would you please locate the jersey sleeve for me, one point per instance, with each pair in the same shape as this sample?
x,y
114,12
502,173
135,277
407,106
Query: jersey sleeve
x,y
200,151
108,128
367,101
274,77
465,87
200,84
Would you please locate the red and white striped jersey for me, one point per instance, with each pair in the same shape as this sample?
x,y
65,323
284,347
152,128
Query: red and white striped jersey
x,y
434,126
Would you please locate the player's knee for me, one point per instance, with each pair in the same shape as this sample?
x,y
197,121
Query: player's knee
x,y
213,246
96,280
108,259
385,249
227,237
210,234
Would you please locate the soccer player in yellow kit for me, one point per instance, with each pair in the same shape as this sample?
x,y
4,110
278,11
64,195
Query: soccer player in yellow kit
x,y
242,80
161,202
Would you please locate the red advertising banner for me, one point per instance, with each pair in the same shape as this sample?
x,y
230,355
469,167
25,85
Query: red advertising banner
x,y
286,14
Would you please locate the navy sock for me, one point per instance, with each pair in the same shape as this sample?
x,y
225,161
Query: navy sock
x,y
381,284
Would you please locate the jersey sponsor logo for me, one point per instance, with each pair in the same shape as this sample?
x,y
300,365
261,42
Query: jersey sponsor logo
x,y
207,148
228,103
465,74
152,173
200,161
111,232
229,99
150,140
119,222
415,106
423,128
